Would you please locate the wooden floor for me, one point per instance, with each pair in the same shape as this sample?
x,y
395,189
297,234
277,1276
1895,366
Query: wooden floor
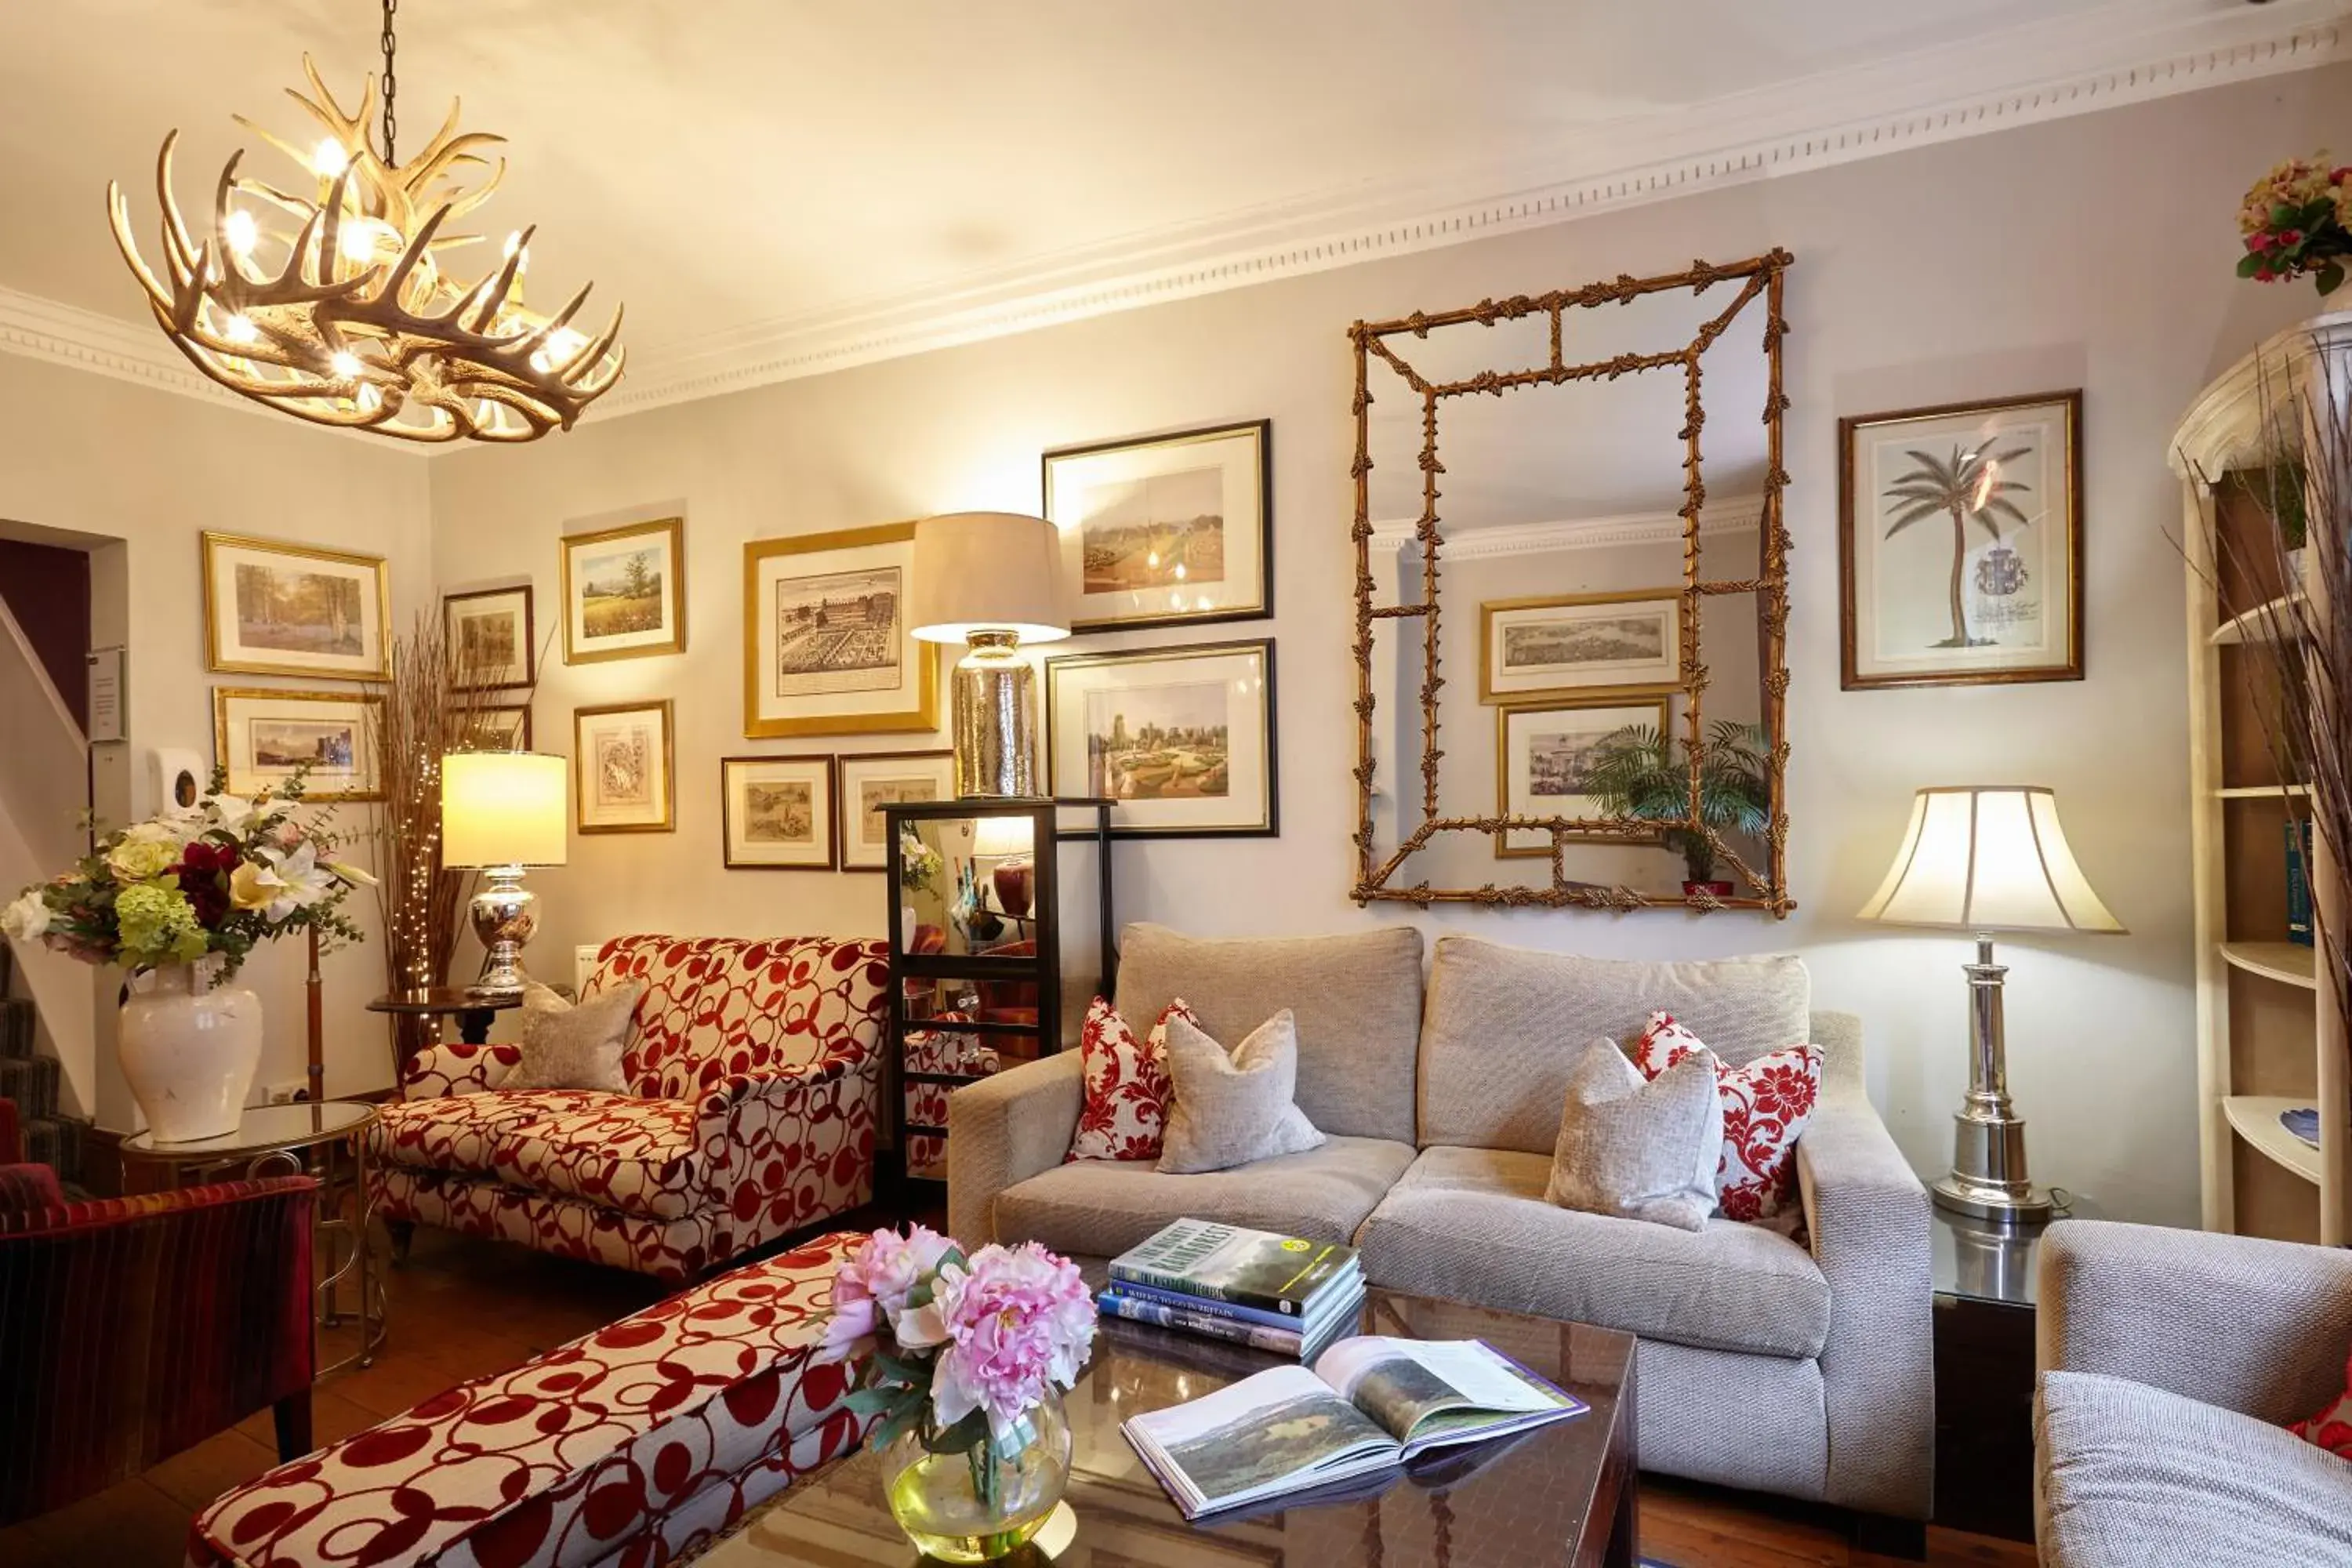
x,y
462,1309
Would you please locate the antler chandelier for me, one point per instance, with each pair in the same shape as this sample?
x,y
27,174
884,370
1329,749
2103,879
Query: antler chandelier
x,y
330,300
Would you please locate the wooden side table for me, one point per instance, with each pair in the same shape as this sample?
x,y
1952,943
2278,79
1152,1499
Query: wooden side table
x,y
328,1140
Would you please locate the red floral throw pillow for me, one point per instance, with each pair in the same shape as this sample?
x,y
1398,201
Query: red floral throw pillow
x,y
1127,1086
2332,1428
1766,1105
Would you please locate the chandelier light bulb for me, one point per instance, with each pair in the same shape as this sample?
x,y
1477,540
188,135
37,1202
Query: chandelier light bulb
x,y
329,159
241,231
346,364
241,330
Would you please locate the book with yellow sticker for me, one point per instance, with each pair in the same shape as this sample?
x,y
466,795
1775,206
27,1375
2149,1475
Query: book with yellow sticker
x,y
1202,1258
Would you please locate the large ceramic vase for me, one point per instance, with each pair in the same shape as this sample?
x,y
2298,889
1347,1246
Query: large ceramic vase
x,y
984,1503
190,1052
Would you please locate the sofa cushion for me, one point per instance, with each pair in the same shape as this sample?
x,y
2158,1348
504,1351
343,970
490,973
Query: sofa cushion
x,y
1638,1148
638,1156
1234,1107
462,1132
2131,1475
1100,1208
578,1455
1357,999
1472,1224
1504,1024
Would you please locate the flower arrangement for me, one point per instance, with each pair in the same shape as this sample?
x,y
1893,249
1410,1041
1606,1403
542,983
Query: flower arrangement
x,y
919,863
213,878
2297,220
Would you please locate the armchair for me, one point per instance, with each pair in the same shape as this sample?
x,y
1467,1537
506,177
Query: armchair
x,y
752,1069
132,1327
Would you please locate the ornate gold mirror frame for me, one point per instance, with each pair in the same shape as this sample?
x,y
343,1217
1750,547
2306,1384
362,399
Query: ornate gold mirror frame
x,y
1377,879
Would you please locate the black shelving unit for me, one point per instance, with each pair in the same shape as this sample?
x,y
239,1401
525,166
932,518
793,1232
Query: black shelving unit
x,y
977,985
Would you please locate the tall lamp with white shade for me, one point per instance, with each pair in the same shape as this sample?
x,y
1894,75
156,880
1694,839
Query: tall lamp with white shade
x,y
1986,858
993,582
504,811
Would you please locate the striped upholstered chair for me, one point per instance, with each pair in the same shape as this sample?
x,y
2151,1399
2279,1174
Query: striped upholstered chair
x,y
133,1328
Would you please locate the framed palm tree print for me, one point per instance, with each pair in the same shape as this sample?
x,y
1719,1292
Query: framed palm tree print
x,y
1960,543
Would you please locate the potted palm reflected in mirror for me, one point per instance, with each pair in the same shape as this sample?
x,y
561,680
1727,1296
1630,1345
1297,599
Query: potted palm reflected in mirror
x,y
1640,772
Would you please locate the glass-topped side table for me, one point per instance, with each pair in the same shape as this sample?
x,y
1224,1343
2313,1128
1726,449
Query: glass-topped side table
x,y
327,1141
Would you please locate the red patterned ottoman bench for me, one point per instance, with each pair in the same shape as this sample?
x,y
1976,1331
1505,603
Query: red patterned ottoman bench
x,y
626,1447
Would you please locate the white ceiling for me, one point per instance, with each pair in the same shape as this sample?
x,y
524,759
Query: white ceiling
x,y
780,186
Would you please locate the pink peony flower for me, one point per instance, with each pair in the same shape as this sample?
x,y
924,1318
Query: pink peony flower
x,y
872,1287
1014,1321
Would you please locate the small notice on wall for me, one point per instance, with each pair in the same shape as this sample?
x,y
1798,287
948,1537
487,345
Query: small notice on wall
x,y
105,693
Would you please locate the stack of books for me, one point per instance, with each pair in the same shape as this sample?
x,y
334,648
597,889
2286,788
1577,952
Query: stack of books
x,y
1250,1287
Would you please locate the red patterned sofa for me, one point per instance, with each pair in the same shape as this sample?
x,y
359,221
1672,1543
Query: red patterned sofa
x,y
634,1445
753,1070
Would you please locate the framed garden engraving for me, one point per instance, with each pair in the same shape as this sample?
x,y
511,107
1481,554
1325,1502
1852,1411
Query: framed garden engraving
x,y
291,609
620,768
1182,738
777,812
625,592
264,737
1960,543
870,781
1541,752
827,646
491,636
1580,642
1167,530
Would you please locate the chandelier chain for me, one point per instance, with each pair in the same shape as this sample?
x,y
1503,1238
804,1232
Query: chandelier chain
x,y
391,86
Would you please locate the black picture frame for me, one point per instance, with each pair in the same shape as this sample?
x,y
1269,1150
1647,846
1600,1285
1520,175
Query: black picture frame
x,y
1271,827
1262,430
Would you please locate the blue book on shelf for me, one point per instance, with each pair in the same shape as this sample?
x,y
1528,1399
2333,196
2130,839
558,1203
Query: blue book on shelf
x,y
2298,881
2303,1123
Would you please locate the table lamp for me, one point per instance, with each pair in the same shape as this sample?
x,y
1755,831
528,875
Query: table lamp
x,y
991,581
503,811
1983,858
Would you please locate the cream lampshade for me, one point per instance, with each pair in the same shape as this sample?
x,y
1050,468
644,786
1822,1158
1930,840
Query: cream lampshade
x,y
1981,858
503,811
992,581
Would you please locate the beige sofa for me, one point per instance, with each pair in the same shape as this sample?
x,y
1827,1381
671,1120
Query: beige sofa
x,y
1763,1364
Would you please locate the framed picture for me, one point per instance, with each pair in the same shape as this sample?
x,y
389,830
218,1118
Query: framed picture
x,y
492,640
1168,530
1541,753
873,780
1626,642
1960,543
826,648
625,592
288,610
620,768
264,737
1182,738
777,812
492,727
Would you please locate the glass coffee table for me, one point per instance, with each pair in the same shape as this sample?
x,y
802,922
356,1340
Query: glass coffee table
x,y
1564,1494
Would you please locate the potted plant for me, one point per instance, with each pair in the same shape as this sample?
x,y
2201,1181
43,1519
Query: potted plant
x,y
1639,773
2297,221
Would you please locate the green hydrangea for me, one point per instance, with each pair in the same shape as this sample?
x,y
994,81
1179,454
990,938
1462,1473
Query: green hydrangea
x,y
158,925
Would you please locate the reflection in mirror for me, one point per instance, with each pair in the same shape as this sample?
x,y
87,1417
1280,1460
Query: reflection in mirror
x,y
1571,600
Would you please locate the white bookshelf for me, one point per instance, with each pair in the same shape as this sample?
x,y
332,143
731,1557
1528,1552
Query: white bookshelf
x,y
2271,1036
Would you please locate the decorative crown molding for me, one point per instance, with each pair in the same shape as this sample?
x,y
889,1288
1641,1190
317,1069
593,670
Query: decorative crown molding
x,y
2118,54
1733,515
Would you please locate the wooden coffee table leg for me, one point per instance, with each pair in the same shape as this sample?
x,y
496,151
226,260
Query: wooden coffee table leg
x,y
1626,1528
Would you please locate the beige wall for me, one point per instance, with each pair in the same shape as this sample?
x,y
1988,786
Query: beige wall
x,y
2092,252
107,459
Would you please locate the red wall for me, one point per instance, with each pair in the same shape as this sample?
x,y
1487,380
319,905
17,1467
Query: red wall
x,y
47,590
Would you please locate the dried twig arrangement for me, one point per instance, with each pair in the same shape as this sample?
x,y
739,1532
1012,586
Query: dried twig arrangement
x,y
1759,278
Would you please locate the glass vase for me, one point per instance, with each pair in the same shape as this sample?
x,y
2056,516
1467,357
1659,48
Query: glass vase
x,y
978,1503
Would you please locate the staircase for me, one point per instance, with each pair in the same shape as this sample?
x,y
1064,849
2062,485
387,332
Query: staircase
x,y
51,1137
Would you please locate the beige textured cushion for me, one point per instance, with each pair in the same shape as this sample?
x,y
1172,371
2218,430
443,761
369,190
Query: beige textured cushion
x,y
1228,1108
1505,1024
564,1047
1357,999
1639,1148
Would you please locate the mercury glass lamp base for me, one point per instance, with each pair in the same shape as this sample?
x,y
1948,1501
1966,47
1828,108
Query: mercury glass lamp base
x,y
505,916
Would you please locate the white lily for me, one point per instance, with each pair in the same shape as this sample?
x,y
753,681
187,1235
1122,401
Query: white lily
x,y
297,877
229,810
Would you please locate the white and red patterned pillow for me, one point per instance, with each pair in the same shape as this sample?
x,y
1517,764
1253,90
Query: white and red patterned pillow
x,y
1766,1105
1126,1112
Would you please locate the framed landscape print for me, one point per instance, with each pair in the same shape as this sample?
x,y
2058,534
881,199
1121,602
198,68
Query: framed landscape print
x,y
265,737
1541,752
826,648
877,779
1960,543
1182,738
1166,530
1623,642
620,768
492,641
288,610
777,812
625,592
491,727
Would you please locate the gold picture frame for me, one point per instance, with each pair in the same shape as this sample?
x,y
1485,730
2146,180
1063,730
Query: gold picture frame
x,y
235,644
865,563
237,747
1588,702
584,644
1660,672
816,772
597,805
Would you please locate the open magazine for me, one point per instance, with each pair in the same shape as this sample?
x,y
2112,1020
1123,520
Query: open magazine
x,y
1368,1403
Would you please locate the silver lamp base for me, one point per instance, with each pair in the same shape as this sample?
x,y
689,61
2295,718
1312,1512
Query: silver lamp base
x,y
995,718
506,916
1988,1179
